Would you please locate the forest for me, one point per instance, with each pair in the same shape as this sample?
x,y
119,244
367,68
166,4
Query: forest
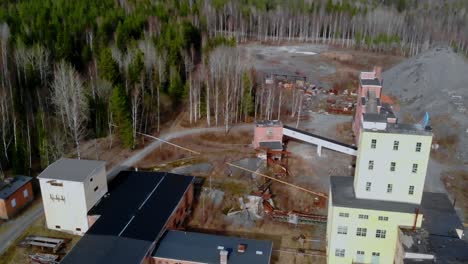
x,y
76,70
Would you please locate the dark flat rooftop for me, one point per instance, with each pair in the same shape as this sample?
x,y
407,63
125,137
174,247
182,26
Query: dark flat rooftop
x,y
7,189
371,82
438,234
136,210
203,248
343,195
71,169
273,145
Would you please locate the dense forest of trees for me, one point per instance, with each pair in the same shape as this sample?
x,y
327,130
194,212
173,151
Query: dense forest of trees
x,y
75,70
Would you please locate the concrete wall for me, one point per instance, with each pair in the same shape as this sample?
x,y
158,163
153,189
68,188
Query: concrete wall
x,y
382,156
7,211
386,247
96,180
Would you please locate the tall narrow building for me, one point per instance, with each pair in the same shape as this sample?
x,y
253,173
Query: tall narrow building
x,y
366,212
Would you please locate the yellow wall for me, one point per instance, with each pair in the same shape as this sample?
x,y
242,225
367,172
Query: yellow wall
x,y
352,243
382,156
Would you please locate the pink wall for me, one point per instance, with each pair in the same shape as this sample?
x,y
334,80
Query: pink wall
x,y
262,133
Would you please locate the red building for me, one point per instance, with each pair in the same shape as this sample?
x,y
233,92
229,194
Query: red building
x,y
15,194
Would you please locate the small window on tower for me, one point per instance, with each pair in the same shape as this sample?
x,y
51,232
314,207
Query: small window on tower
x,y
389,188
415,168
392,166
411,190
368,186
374,143
371,164
396,144
418,147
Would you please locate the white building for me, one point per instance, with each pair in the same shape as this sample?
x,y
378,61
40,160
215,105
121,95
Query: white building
x,y
70,188
365,213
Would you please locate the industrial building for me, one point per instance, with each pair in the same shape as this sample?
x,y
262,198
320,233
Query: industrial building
x,y
188,247
133,216
367,213
70,188
15,194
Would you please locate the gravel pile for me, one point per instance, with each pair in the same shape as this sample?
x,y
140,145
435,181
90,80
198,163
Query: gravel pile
x,y
436,81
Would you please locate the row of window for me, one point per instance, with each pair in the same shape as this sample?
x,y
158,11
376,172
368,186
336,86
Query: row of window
x,y
362,232
390,188
13,201
364,216
371,163
340,252
396,145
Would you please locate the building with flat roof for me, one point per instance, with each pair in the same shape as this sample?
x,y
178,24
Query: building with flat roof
x,y
15,194
70,188
133,216
188,247
366,212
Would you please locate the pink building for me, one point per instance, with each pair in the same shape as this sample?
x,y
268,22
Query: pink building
x,y
268,135
369,107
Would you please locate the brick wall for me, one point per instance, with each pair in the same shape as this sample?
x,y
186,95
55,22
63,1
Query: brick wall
x,y
7,211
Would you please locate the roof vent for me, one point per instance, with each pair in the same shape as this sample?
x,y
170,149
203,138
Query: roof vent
x,y
220,247
223,256
241,248
258,252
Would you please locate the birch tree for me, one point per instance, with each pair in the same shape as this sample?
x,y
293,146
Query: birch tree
x,y
70,101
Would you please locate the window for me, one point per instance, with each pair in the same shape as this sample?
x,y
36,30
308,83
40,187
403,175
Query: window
x,y
392,166
363,216
411,190
389,188
383,218
57,226
91,179
343,230
368,186
54,183
418,147
373,143
396,144
344,214
339,252
25,193
78,229
13,203
415,168
360,252
371,164
96,188
375,258
361,231
380,233
360,256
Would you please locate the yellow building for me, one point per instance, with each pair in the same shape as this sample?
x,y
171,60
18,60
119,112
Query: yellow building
x,y
365,212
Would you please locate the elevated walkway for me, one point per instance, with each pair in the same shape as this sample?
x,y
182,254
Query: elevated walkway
x,y
319,141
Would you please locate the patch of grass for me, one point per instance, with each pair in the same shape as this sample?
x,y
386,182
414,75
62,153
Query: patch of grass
x,y
16,254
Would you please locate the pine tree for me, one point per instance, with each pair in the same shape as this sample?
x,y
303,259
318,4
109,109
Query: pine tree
x,y
121,113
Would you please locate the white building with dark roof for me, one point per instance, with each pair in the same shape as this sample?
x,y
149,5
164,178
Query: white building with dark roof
x,y
70,188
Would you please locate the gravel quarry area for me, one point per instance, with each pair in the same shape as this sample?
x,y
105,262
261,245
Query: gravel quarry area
x,y
437,82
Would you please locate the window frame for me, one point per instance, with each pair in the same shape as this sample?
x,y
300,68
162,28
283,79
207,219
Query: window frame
x,y
370,165
373,143
342,230
383,218
415,168
343,214
381,233
392,166
418,146
368,186
389,188
340,252
25,193
13,203
411,190
361,231
363,216
396,145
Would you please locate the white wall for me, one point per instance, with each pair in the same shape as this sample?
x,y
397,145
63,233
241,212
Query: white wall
x,y
79,197
68,214
382,156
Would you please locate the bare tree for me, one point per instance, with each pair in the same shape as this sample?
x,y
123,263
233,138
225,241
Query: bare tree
x,y
69,99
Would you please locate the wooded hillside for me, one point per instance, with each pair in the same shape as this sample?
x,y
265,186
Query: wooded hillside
x,y
75,70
